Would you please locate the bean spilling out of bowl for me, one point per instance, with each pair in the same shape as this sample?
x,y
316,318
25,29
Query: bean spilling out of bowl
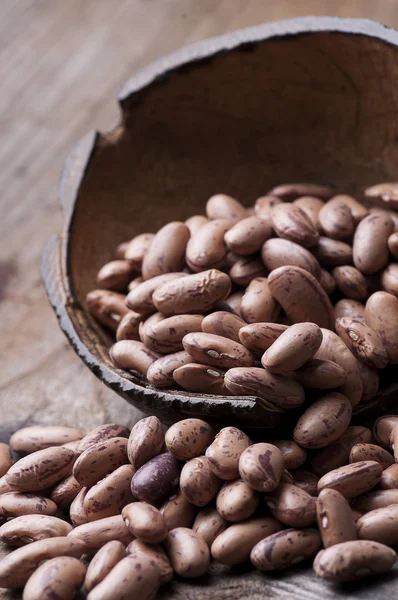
x,y
117,512
299,292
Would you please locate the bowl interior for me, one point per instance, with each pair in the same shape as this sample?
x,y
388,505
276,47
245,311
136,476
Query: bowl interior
x,y
318,107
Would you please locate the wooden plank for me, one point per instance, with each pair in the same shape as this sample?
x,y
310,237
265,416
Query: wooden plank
x,y
61,66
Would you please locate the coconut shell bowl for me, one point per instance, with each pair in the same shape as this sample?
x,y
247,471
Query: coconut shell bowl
x,y
310,99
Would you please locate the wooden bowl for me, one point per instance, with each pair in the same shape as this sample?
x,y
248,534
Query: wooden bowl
x,y
310,99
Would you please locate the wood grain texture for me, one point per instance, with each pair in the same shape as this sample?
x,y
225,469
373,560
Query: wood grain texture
x,y
51,96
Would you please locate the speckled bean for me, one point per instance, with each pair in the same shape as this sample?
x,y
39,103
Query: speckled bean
x,y
209,524
224,453
99,460
189,438
201,378
31,528
178,511
59,578
258,305
278,252
131,354
285,549
140,299
188,552
102,563
160,373
371,452
166,253
236,501
222,206
218,351
97,533
291,223
38,437
321,374
246,269
198,482
291,505
224,324
258,337
115,275
248,235
293,348
108,496
370,250
137,248
363,342
261,466
335,520
354,479
41,469
107,307
337,454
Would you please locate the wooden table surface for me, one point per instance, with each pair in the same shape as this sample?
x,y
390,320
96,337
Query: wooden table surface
x,y
61,65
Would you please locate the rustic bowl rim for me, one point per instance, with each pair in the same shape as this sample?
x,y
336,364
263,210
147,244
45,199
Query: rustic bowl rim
x,y
55,267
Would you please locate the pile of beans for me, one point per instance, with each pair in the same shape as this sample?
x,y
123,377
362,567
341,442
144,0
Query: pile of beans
x,y
139,506
299,292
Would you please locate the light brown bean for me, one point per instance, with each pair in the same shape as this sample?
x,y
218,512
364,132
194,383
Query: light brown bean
x,y
248,235
335,520
97,533
60,577
291,505
258,337
146,441
198,482
376,499
380,525
278,252
336,219
102,433
363,342
145,522
131,577
77,513
370,250
389,478
337,454
331,253
178,512
321,374
209,524
99,460
293,348
354,479
333,348
155,553
108,496
389,279
358,210
224,324
350,282
41,469
225,451
149,322
236,501
311,206
160,373
195,222
275,392
233,546
115,275
38,437
285,549
363,451
383,211
381,313
31,528
258,304
218,351
301,296
246,269
264,204
196,293
140,299
201,378
384,194
207,249
188,552
382,429
291,191
137,249
166,253
128,328
291,223
349,308
349,561
120,250
189,438
65,492
166,335
17,567
261,466
222,206
103,562
132,355
324,421
107,307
